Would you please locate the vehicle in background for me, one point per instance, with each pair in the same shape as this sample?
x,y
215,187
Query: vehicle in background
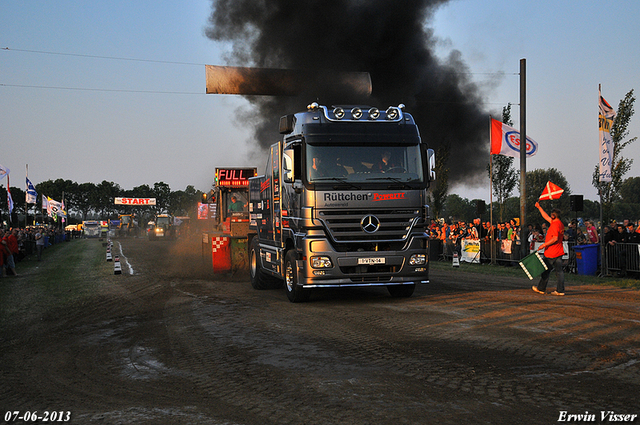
x,y
227,212
92,229
162,228
128,225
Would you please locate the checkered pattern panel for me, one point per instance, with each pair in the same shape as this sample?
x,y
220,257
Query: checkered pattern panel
x,y
218,242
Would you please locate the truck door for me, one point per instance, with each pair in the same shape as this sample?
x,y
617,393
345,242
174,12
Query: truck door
x,y
276,156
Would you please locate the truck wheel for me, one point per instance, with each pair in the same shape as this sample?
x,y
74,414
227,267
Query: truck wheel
x,y
260,279
401,291
294,292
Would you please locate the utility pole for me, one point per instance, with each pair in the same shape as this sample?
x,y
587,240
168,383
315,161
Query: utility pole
x,y
523,157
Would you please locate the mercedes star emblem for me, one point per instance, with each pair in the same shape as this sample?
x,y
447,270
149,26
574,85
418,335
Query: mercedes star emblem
x,y
370,223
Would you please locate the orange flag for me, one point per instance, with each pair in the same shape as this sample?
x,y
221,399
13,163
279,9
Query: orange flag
x,y
551,191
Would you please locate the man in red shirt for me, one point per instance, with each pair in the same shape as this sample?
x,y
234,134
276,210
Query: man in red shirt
x,y
10,241
553,251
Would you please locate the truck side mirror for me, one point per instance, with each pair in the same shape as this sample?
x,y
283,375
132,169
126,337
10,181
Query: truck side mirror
x,y
431,162
287,166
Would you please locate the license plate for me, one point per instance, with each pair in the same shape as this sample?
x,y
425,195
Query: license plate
x,y
375,260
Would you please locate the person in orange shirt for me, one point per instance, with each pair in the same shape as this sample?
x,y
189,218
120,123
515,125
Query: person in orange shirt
x,y
553,252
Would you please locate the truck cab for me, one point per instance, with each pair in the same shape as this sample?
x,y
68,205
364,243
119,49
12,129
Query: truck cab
x,y
232,195
342,203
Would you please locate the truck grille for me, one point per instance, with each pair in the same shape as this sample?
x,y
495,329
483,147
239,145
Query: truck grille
x,y
345,226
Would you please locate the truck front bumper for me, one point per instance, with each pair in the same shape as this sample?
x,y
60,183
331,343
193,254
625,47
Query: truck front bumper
x,y
323,267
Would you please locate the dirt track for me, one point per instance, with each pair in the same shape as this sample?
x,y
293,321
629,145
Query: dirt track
x,y
174,344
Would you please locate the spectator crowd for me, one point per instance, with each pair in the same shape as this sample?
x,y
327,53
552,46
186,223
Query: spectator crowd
x,y
507,235
19,243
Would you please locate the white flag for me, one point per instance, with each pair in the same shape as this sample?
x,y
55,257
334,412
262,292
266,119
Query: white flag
x,y
54,208
30,195
605,120
505,140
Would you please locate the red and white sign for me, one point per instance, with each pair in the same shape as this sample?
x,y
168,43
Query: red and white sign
x,y
551,191
221,254
135,201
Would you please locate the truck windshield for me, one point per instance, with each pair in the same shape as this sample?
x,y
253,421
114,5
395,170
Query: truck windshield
x,y
236,203
163,221
364,164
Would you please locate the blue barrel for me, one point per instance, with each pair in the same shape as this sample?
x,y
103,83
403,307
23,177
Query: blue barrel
x,y
587,258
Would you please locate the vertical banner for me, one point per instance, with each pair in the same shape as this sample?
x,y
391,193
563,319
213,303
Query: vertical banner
x,y
605,120
9,198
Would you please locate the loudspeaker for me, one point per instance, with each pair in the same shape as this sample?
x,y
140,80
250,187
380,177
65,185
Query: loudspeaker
x,y
576,202
480,207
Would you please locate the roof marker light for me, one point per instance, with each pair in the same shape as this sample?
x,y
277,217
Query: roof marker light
x,y
392,113
338,113
374,113
356,113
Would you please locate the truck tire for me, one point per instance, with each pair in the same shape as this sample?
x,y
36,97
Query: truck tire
x,y
259,279
295,293
401,291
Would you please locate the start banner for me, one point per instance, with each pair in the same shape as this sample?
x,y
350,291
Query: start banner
x,y
135,201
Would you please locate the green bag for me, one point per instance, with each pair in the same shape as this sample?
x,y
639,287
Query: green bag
x,y
533,265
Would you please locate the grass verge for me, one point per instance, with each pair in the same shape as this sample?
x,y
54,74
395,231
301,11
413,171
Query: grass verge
x,y
68,273
516,272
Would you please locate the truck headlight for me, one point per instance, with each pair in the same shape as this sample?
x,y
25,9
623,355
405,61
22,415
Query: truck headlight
x,y
321,262
418,259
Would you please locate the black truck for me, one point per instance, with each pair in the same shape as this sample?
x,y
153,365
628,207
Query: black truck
x,y
342,203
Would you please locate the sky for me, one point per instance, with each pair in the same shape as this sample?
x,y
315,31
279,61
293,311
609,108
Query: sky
x,y
115,90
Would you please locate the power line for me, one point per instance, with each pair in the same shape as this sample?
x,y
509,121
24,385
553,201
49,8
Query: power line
x,y
98,90
42,52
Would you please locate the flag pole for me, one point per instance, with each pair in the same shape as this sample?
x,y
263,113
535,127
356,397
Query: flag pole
x,y
62,220
26,206
491,232
9,204
603,266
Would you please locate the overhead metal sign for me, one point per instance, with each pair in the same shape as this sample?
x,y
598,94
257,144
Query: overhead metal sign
x,y
281,82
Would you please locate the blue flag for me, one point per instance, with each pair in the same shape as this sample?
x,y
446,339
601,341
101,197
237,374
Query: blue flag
x,y
31,195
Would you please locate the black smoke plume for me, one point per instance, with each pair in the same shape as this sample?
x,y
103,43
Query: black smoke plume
x,y
390,39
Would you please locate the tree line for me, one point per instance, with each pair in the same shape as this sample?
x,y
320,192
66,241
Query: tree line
x,y
620,198
96,201
457,208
